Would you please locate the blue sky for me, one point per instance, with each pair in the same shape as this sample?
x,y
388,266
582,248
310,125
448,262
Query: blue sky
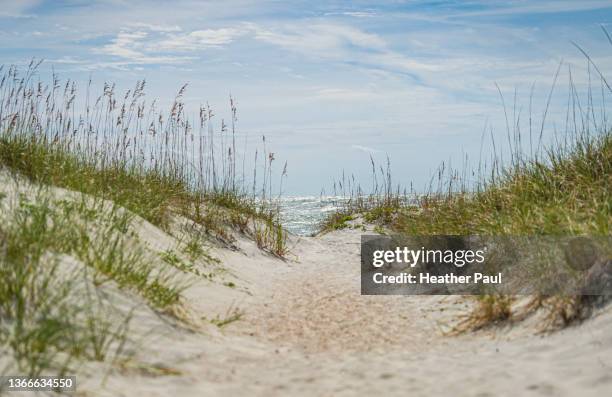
x,y
328,83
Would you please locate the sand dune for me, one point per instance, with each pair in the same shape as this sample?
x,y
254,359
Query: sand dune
x,y
305,330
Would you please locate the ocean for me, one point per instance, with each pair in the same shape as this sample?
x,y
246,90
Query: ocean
x,y
302,215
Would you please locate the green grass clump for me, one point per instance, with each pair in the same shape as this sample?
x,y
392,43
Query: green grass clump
x,y
174,260
271,236
48,317
379,207
337,221
102,238
55,254
569,193
148,194
380,214
231,316
154,164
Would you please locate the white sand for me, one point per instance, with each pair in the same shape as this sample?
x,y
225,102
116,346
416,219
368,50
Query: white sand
x,y
306,331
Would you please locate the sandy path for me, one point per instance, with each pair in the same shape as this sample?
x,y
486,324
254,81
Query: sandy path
x,y
318,307
306,331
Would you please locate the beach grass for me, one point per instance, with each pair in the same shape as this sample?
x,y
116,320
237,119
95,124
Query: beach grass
x,y
568,193
561,188
120,159
49,314
124,149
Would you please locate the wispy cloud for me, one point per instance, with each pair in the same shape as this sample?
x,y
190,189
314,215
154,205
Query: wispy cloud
x,y
136,47
355,14
366,149
319,38
142,43
200,39
157,27
145,43
126,45
343,43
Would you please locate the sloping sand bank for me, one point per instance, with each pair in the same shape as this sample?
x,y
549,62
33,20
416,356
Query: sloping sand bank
x,y
305,330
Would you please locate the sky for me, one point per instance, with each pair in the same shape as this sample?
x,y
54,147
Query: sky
x,y
331,83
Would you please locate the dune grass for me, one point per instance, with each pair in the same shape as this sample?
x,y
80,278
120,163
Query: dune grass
x,y
568,193
123,149
337,221
49,312
563,188
379,206
149,194
121,158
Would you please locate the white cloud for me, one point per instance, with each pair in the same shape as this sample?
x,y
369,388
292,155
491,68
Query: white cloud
x,y
134,48
359,14
320,38
200,39
354,14
159,43
366,149
323,41
344,43
126,45
69,60
157,27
